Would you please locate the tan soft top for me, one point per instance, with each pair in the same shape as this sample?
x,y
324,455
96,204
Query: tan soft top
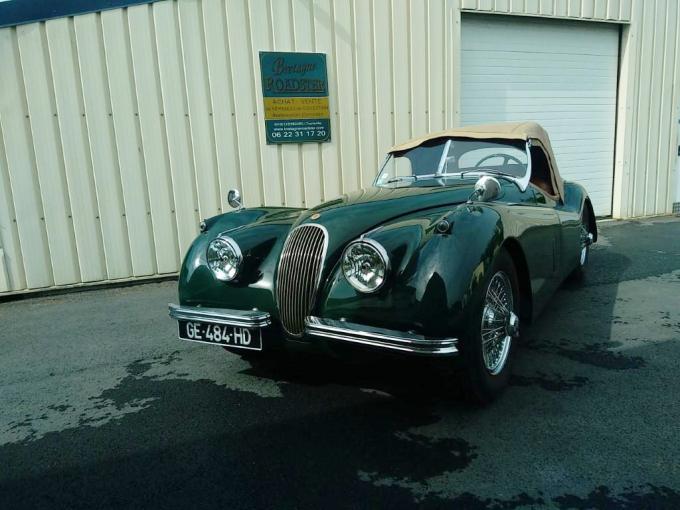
x,y
503,131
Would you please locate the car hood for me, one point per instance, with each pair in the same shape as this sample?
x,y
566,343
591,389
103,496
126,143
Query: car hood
x,y
261,234
352,214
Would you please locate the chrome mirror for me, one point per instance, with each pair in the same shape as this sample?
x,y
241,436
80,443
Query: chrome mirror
x,y
234,199
487,188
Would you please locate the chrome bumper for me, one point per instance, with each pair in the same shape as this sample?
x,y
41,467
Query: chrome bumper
x,y
378,337
325,328
242,318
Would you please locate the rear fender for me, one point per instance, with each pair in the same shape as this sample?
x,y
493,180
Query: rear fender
x,y
576,198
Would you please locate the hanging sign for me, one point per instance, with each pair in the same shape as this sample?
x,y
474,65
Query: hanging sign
x,y
295,93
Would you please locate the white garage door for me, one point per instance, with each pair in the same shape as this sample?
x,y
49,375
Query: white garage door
x,y
561,74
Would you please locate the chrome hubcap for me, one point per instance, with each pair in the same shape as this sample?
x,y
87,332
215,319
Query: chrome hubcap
x,y
499,323
586,241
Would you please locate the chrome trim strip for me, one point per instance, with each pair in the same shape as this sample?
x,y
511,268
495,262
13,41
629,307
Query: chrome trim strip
x,y
322,258
379,337
243,318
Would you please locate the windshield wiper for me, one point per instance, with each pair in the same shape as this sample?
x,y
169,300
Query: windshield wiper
x,y
401,178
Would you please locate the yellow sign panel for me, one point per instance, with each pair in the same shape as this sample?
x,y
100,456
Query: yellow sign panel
x,y
276,108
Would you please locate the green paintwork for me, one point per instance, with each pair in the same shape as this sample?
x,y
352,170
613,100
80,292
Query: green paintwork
x,y
433,276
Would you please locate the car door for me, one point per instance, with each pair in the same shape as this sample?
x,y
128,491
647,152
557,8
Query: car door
x,y
570,238
541,242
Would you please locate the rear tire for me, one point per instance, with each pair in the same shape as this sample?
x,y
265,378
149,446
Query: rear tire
x,y
494,327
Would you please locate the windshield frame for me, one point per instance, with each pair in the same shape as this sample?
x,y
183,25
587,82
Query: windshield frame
x,y
521,182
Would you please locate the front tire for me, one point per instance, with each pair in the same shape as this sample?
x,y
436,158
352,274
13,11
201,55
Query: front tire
x,y
494,326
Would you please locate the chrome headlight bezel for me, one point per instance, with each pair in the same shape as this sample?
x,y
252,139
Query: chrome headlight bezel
x,y
378,250
214,258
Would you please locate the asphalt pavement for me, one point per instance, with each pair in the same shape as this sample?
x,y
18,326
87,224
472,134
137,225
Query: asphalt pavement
x,y
102,407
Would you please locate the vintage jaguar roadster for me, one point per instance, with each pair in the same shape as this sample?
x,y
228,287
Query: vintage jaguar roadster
x,y
461,240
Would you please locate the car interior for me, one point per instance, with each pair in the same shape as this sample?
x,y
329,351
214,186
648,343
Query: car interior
x,y
471,155
502,156
540,171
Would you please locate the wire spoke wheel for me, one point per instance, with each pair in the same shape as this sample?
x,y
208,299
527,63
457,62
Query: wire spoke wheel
x,y
499,323
586,240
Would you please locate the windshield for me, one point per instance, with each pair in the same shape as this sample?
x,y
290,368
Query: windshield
x,y
451,157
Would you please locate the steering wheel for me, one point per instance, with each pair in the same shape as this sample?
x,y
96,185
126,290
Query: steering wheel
x,y
506,158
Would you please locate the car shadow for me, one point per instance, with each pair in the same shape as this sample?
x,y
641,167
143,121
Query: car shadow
x,y
576,325
414,381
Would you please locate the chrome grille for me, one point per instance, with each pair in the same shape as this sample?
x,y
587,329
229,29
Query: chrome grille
x,y
299,272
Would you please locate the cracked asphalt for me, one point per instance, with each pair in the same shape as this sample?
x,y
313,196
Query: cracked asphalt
x,y
102,407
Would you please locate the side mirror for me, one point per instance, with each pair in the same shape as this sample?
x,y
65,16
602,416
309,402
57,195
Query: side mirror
x,y
234,199
487,188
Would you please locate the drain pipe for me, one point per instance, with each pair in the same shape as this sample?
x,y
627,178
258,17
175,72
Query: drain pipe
x,y
4,281
676,202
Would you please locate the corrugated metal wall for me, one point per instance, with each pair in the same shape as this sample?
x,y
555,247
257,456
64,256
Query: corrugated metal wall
x,y
649,98
120,130
591,10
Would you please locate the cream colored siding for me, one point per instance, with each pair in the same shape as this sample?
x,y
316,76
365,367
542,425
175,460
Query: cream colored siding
x,y
649,96
29,267
120,130
591,10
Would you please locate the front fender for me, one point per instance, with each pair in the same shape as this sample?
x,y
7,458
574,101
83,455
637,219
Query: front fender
x,y
434,277
260,234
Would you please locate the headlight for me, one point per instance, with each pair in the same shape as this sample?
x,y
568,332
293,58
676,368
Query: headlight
x,y
365,265
224,258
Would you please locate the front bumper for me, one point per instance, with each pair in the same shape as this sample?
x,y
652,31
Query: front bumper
x,y
243,318
327,329
378,337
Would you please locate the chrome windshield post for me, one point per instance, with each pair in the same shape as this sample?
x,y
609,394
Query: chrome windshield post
x,y
376,181
523,182
442,160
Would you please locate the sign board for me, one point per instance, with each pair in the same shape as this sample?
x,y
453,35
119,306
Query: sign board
x,y
295,93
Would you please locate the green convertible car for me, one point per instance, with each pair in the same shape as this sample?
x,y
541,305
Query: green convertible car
x,y
462,239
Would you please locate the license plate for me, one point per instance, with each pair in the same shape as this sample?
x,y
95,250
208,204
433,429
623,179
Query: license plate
x,y
221,334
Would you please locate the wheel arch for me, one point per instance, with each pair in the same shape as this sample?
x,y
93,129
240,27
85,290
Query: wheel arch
x,y
512,246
